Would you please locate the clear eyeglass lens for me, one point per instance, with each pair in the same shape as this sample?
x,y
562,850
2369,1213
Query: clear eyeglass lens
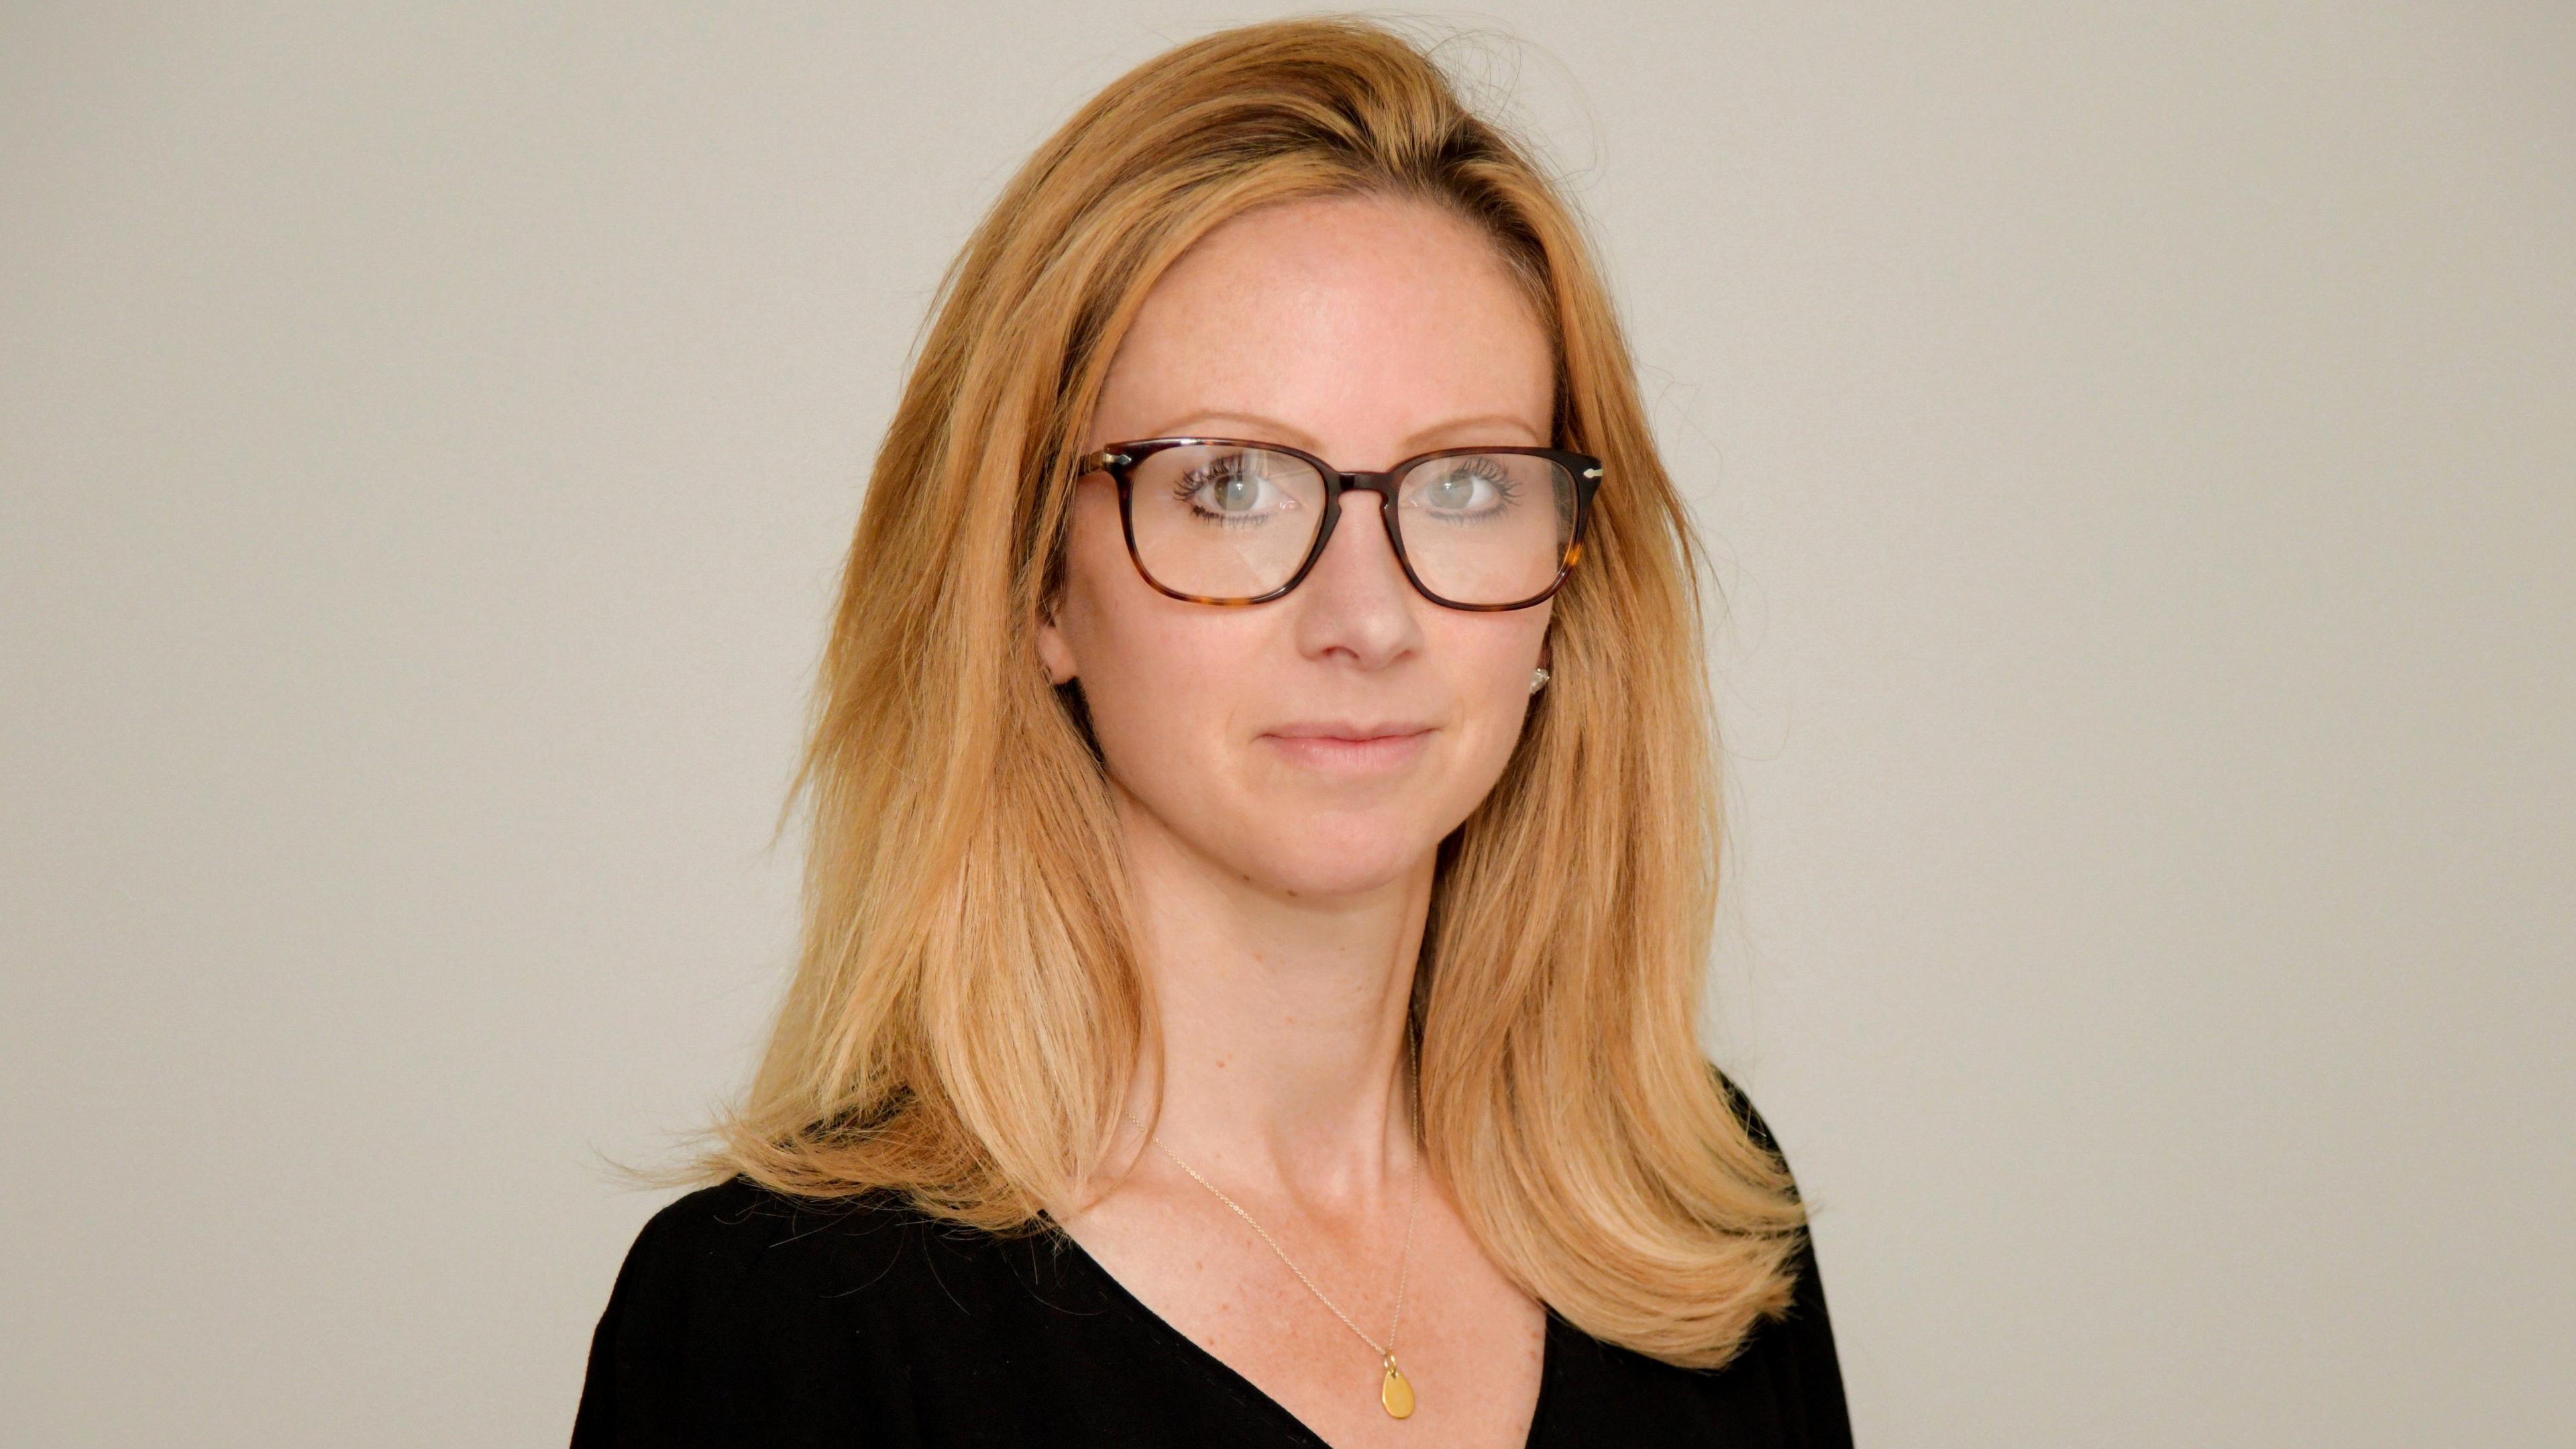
x,y
1486,528
1215,521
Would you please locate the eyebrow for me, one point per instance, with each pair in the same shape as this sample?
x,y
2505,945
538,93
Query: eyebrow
x,y
1289,433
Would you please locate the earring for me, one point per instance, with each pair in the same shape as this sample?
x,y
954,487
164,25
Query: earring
x,y
1538,679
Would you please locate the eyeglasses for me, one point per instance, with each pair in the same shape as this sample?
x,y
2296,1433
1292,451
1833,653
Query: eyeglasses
x,y
1224,521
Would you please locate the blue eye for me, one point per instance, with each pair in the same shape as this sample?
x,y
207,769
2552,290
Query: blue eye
x,y
1238,491
1472,489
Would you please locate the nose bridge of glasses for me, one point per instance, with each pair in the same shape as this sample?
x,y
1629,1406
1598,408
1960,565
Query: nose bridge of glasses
x,y
1348,484
1381,484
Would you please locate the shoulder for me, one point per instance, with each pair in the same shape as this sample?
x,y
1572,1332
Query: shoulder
x,y
1794,1355
724,1302
737,1221
1742,1106
704,1252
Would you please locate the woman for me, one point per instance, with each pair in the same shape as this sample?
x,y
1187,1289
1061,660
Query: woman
x,y
1264,848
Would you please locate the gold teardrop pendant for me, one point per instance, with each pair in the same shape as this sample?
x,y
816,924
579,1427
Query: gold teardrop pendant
x,y
1395,1392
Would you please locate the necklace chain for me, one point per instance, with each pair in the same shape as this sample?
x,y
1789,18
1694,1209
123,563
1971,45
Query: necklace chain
x,y
1403,1264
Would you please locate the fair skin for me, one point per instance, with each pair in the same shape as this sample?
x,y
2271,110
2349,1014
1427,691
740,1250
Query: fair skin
x,y
1283,888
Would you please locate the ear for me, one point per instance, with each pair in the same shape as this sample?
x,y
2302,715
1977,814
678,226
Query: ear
x,y
1054,650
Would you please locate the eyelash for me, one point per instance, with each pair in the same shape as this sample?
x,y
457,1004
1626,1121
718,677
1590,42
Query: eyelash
x,y
1187,490
1501,483
1227,470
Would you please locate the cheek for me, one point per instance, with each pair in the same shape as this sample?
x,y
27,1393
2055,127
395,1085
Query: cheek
x,y
1163,717
1155,679
1499,696
1102,593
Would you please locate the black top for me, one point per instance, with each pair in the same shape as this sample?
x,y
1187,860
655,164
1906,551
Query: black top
x,y
744,1317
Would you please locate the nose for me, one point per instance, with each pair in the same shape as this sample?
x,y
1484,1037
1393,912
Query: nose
x,y
1361,553
1356,602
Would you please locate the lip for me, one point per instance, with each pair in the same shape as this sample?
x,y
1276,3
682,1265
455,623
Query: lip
x,y
1347,746
1347,729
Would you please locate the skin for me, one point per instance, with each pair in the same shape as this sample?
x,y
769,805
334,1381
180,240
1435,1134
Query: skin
x,y
1283,896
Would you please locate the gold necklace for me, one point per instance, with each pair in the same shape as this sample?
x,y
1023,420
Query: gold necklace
x,y
1395,1392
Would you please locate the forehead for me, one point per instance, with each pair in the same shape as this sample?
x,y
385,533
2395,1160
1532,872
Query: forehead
x,y
1355,320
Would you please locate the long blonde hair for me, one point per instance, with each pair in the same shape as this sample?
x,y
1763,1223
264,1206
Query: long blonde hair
x,y
967,1012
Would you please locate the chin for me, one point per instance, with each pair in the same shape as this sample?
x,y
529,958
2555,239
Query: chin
x,y
1323,861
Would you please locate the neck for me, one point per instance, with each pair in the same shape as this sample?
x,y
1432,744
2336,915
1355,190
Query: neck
x,y
1286,1070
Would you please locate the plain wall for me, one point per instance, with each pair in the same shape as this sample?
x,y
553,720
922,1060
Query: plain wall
x,y
2135,441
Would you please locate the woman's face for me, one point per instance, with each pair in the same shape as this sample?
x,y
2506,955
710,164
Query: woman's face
x,y
1365,331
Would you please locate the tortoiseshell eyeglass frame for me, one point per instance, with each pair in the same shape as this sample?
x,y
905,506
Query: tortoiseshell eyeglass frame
x,y
1119,461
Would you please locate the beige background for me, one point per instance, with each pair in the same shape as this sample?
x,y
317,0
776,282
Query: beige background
x,y
2136,439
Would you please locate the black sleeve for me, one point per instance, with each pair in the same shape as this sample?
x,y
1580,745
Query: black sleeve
x,y
624,1391
1809,1370
687,1350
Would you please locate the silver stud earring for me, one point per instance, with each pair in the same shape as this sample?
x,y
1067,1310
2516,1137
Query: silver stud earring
x,y
1538,679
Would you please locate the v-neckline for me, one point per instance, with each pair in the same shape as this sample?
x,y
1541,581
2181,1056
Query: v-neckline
x,y
1231,1378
